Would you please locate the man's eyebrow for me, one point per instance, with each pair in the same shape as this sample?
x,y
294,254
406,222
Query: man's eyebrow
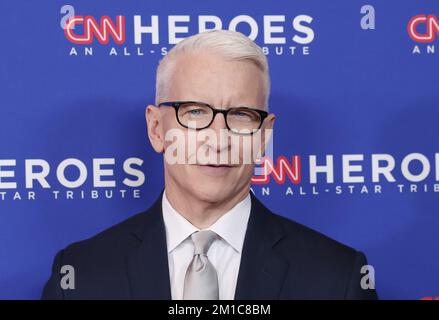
x,y
250,105
239,105
228,106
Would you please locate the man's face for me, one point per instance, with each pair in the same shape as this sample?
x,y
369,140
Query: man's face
x,y
208,78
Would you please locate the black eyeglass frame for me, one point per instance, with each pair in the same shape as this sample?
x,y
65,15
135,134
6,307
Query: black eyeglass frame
x,y
177,104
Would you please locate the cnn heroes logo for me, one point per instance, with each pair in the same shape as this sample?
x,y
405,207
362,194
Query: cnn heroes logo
x,y
424,30
346,174
285,35
71,176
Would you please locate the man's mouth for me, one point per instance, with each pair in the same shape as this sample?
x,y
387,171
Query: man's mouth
x,y
215,169
219,165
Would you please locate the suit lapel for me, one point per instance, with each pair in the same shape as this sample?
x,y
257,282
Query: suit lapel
x,y
262,271
147,263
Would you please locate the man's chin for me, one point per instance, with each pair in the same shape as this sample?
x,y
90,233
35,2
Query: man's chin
x,y
210,192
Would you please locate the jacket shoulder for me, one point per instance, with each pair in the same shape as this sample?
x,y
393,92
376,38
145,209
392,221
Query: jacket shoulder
x,y
309,238
111,239
327,268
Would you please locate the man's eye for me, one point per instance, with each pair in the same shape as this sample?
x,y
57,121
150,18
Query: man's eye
x,y
241,114
196,112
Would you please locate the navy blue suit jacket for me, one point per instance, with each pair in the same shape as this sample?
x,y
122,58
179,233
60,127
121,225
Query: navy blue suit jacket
x,y
281,259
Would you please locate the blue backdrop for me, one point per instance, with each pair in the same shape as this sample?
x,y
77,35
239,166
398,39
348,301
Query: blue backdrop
x,y
352,82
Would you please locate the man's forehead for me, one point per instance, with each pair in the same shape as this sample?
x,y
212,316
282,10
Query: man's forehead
x,y
217,101
219,82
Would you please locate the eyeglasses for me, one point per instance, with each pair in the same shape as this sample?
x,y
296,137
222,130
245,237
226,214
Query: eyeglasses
x,y
199,115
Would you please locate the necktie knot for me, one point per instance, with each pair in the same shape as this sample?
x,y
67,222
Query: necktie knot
x,y
203,240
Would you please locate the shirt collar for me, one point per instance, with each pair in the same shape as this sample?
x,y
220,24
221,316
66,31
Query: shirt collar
x,y
231,226
177,227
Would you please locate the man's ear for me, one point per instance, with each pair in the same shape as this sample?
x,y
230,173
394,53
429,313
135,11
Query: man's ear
x,y
155,129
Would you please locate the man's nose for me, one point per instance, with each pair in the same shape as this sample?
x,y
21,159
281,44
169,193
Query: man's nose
x,y
219,122
219,126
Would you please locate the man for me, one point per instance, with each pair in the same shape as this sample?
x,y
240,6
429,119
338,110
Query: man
x,y
207,236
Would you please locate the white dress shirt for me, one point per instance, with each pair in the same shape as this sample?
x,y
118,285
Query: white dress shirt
x,y
224,253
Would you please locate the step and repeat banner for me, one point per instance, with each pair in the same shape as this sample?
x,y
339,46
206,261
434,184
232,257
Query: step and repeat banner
x,y
355,90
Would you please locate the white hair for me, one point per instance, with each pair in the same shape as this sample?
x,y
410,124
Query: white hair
x,y
230,45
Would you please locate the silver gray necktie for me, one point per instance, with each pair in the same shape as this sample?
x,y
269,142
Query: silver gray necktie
x,y
201,280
